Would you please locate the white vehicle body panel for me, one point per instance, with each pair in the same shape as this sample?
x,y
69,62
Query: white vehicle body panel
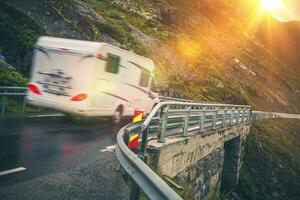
x,y
63,68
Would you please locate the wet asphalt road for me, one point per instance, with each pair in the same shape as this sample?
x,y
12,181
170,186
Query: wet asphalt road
x,y
62,157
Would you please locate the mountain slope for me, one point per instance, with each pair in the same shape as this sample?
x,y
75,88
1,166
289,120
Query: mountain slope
x,y
283,39
275,173
217,59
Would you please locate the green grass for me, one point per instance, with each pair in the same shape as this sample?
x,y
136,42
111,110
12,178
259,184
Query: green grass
x,y
116,25
9,77
149,26
15,105
271,163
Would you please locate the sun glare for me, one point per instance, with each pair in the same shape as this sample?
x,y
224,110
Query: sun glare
x,y
270,5
189,48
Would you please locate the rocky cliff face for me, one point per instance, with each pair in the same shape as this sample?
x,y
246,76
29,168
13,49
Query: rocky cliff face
x,y
22,22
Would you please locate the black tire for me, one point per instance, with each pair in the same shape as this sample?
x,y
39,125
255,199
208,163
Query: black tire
x,y
118,115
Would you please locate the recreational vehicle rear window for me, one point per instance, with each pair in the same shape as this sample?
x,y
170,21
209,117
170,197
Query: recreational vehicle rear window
x,y
112,64
145,75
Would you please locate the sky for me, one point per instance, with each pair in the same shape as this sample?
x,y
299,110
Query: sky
x,y
288,11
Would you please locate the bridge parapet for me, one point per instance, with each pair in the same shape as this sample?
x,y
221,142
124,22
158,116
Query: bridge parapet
x,y
179,118
187,123
201,162
260,115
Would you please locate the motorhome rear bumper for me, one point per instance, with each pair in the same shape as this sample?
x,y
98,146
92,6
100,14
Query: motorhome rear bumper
x,y
64,106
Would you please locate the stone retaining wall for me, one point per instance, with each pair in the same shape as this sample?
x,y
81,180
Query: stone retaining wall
x,y
197,161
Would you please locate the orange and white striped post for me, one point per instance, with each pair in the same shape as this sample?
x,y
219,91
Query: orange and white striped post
x,y
133,143
134,137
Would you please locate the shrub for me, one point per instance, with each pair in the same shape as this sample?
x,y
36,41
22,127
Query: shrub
x,y
10,77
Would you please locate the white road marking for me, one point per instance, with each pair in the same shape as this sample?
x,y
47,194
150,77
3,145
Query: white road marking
x,y
47,115
10,171
108,149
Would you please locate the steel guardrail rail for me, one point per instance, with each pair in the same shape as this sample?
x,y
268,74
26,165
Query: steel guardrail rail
x,y
151,184
260,115
13,91
182,117
158,106
13,87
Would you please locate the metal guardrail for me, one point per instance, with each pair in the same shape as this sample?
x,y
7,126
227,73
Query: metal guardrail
x,y
172,118
152,185
260,115
7,92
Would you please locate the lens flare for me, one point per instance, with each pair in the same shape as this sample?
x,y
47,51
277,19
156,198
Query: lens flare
x,y
270,5
188,47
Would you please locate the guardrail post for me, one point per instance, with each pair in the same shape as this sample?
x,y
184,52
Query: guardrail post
x,y
126,140
24,105
202,120
231,116
186,122
244,119
135,191
239,116
236,116
249,115
224,117
163,124
144,143
165,96
3,103
213,126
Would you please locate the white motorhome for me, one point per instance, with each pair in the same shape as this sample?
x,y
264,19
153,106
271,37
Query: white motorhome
x,y
90,78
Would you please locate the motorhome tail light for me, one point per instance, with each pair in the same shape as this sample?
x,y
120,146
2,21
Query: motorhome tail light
x,y
34,89
79,97
100,56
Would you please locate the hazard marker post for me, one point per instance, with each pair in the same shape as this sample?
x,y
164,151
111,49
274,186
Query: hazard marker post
x,y
133,143
133,140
